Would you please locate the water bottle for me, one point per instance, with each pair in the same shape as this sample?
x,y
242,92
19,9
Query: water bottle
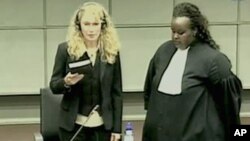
x,y
128,132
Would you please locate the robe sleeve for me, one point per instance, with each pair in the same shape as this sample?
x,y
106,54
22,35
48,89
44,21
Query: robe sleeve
x,y
226,91
148,83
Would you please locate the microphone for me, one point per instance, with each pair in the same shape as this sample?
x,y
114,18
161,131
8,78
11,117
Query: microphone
x,y
78,131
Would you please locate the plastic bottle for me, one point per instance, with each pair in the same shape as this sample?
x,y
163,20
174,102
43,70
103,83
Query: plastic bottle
x,y
129,135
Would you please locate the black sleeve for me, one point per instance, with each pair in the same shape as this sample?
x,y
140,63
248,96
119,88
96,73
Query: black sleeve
x,y
59,71
227,91
148,83
117,96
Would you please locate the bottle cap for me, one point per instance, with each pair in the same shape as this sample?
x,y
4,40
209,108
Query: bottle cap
x,y
129,126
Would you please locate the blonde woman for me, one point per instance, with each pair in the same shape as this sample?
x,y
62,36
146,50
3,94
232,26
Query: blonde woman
x,y
87,72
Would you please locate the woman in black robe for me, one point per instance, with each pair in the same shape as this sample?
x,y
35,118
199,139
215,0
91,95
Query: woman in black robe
x,y
191,94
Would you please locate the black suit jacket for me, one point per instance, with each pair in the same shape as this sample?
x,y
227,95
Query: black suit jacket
x,y
111,87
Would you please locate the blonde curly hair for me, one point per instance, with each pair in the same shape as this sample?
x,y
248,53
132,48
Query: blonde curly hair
x,y
108,40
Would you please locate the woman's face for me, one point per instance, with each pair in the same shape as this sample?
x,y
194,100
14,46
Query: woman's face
x,y
182,34
91,27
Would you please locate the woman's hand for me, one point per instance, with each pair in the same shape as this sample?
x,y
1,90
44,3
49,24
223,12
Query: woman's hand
x,y
72,79
115,137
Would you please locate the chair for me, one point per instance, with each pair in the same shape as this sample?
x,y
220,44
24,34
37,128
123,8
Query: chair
x,y
49,114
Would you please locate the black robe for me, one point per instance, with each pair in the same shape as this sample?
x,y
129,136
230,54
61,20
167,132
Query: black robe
x,y
206,108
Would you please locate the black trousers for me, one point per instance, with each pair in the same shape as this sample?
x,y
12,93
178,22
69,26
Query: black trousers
x,y
86,134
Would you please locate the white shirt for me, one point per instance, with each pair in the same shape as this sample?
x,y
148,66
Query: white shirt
x,y
171,81
92,54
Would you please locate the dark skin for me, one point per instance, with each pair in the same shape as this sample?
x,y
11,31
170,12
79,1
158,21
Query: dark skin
x,y
182,34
